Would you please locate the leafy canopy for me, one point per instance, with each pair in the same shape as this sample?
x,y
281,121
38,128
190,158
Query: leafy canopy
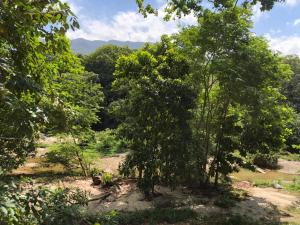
x,y
181,8
154,112
30,32
102,62
197,104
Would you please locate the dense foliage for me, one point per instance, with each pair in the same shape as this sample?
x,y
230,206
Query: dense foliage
x,y
291,90
39,206
155,112
193,102
77,100
181,8
26,42
237,79
102,62
190,108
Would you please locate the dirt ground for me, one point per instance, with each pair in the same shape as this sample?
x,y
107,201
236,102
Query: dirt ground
x,y
290,167
261,203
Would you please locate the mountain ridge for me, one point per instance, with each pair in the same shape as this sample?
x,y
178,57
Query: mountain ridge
x,y
84,46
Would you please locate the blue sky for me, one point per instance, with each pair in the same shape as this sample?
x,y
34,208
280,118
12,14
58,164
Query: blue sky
x,y
119,20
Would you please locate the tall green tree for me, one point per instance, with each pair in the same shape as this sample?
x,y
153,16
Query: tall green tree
x,y
230,82
154,113
291,90
30,31
77,99
237,79
102,62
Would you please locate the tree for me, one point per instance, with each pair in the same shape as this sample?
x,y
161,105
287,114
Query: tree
x,y
181,8
292,87
102,62
154,113
30,31
230,82
291,90
237,79
77,101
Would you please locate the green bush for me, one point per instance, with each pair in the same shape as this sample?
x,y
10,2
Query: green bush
x,y
293,140
107,143
64,154
40,207
72,156
269,161
106,179
95,172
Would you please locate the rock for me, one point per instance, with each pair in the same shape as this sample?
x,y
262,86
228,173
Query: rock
x,y
111,198
277,186
96,180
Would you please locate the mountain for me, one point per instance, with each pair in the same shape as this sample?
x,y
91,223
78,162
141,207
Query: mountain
x,y
83,46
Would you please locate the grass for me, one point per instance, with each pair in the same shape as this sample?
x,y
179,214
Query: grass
x,y
38,166
262,183
268,177
290,182
293,187
290,156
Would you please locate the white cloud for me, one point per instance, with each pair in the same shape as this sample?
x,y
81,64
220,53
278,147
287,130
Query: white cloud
x,y
285,44
74,7
292,2
129,26
296,22
276,31
257,13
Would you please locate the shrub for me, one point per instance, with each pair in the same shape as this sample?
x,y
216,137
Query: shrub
x,y
95,172
106,179
107,143
40,207
72,156
64,154
266,160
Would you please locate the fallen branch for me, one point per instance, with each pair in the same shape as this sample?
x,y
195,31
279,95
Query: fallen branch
x,y
101,198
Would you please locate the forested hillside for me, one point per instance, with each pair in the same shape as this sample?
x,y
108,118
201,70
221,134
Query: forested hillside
x,y
83,46
201,127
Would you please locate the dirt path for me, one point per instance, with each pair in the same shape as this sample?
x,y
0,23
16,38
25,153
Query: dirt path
x,y
290,167
269,202
274,196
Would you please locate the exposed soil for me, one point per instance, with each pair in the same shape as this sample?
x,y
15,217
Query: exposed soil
x,y
111,164
262,202
290,167
274,196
